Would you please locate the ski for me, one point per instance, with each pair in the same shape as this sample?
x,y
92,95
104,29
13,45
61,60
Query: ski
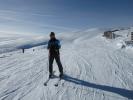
x,y
58,82
46,82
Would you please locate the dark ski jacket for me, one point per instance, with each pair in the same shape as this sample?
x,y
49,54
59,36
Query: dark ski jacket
x,y
53,47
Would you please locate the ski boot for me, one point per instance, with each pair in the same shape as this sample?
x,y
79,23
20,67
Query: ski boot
x,y
50,75
61,75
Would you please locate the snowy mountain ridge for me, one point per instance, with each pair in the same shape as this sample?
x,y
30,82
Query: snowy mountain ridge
x,y
96,68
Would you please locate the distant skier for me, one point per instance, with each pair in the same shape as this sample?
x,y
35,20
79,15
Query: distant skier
x,y
53,47
22,50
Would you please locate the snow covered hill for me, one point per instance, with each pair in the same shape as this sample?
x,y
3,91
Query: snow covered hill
x,y
11,42
95,68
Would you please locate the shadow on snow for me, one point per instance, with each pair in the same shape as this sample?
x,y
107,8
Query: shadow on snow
x,y
123,92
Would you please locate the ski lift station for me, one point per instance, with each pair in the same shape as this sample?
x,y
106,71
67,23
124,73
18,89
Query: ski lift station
x,y
110,34
130,39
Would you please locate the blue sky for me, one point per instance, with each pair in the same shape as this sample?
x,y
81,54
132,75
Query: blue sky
x,y
44,16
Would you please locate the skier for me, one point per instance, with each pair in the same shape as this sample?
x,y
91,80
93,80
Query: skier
x,y
53,47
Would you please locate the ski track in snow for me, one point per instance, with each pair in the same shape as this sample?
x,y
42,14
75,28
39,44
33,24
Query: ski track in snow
x,y
94,71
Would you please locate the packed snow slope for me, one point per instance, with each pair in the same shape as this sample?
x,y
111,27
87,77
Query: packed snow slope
x,y
95,68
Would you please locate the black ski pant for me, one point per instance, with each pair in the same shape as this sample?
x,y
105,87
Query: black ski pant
x,y
57,58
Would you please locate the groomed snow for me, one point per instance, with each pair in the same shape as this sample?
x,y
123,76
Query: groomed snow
x,y
96,68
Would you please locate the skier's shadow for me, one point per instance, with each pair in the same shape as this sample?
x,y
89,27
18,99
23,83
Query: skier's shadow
x,y
123,92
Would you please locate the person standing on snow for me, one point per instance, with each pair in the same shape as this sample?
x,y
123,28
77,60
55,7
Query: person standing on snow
x,y
53,47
